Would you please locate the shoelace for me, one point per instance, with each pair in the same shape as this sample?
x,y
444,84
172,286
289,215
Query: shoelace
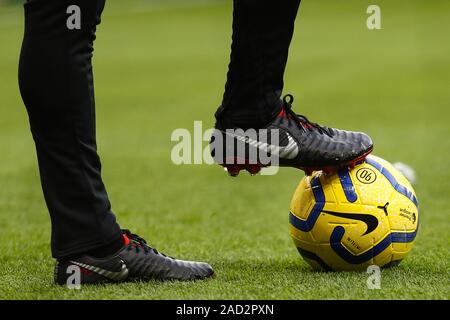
x,y
305,124
138,243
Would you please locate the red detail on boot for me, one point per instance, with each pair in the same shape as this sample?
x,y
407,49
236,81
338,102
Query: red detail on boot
x,y
282,114
86,271
334,169
307,125
126,241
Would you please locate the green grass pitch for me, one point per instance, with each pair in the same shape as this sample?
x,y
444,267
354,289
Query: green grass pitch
x,y
160,67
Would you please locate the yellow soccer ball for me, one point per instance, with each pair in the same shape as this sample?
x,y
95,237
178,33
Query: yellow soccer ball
x,y
368,215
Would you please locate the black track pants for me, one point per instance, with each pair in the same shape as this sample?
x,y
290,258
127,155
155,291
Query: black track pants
x,y
56,83
262,33
55,77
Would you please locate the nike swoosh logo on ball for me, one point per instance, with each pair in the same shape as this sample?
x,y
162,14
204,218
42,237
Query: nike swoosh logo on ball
x,y
290,151
112,275
369,220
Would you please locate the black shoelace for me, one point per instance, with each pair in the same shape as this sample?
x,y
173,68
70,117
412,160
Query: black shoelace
x,y
304,122
137,243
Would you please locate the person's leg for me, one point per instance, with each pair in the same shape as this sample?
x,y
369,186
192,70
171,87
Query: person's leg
x,y
262,32
56,83
57,88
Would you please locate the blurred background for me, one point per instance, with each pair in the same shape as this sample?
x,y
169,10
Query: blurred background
x,y
160,65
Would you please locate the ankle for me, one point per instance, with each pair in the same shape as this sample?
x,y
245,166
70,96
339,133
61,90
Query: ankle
x,y
107,249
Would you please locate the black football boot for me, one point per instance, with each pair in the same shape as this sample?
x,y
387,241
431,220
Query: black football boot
x,y
289,140
135,261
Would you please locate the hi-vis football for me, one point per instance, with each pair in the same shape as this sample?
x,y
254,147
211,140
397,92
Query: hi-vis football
x,y
367,215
